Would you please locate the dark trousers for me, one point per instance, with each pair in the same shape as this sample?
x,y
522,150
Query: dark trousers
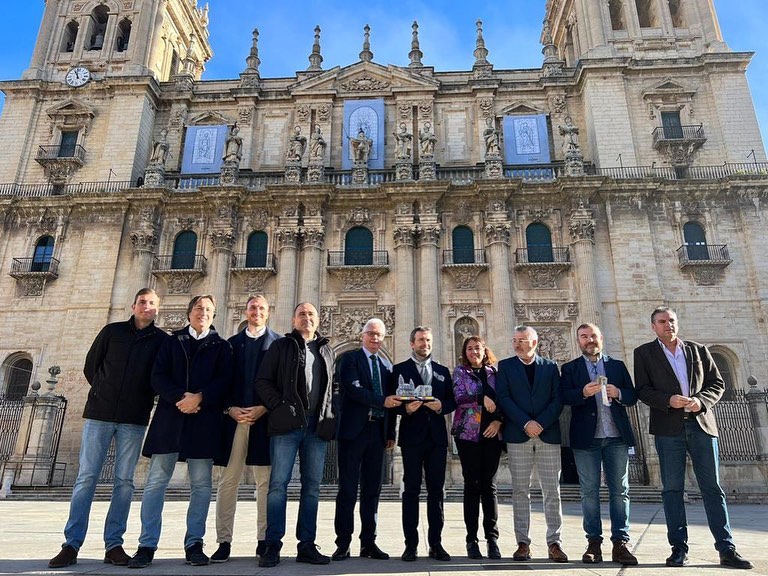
x,y
361,463
479,464
431,459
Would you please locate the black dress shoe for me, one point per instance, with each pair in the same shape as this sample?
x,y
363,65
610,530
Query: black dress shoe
x,y
473,551
438,553
678,558
409,555
373,551
342,553
733,559
493,550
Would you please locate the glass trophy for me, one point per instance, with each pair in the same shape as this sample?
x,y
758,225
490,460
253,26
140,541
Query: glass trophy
x,y
407,392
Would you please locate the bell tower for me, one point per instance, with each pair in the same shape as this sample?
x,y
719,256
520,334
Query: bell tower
x,y
126,38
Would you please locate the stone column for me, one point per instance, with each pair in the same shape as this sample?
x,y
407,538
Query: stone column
x,y
312,268
429,283
287,239
144,245
404,309
502,319
222,242
582,227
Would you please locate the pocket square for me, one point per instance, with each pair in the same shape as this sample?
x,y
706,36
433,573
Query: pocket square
x,y
438,377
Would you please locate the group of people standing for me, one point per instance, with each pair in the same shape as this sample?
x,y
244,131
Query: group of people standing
x,y
261,400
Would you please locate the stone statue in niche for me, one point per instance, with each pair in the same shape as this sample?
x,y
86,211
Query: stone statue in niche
x,y
427,140
404,142
317,145
160,149
361,147
233,147
491,139
296,146
571,138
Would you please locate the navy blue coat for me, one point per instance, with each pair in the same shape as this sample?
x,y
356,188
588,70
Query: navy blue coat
x,y
177,371
424,423
356,393
258,440
521,403
584,410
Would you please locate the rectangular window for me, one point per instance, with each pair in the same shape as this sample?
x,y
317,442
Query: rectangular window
x,y
68,143
673,128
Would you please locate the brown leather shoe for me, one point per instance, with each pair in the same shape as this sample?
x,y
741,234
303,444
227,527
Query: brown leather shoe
x,y
593,554
556,553
622,555
522,553
66,557
116,556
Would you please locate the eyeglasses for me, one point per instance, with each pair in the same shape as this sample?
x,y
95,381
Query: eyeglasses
x,y
373,334
520,340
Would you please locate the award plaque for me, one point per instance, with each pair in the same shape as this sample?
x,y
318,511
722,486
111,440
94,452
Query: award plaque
x,y
408,392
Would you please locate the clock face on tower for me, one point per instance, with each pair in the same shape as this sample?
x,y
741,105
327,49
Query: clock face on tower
x,y
78,76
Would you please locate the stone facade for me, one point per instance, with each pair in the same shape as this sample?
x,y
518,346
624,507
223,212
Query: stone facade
x,y
646,129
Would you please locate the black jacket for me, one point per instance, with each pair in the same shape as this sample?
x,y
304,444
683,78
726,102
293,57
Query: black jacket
x,y
278,384
118,367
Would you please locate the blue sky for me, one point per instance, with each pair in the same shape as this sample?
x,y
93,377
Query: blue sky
x,y
447,35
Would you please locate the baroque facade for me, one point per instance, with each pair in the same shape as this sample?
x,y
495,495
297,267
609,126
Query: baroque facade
x,y
626,172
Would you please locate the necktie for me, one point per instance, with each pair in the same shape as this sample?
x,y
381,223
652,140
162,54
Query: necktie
x,y
376,412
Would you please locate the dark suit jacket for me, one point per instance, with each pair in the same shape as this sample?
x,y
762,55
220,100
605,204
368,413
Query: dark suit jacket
x,y
258,441
424,423
584,410
522,403
656,383
356,393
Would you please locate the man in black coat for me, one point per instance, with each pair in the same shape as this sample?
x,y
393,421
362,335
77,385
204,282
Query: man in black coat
x,y
118,368
244,437
192,372
362,436
600,436
679,381
295,382
423,441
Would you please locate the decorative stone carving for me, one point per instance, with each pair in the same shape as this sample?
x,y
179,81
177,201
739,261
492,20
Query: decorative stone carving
x,y
244,115
545,313
313,238
425,108
223,240
705,276
31,285
405,111
486,107
497,233
293,174
358,216
463,213
287,238
572,310
557,103
465,309
364,83
144,241
346,322
521,311
493,169
186,223
357,278
464,275
553,343
173,320
404,236
404,171
259,219
179,281
254,279
323,112
302,112
544,275
315,173
429,235
574,161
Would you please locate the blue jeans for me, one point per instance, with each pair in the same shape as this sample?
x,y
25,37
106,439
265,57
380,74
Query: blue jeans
x,y
613,454
97,436
704,456
161,468
283,449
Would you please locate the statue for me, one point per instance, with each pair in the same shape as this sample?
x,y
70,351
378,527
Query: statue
x,y
427,140
491,138
233,147
317,145
404,140
361,147
296,146
160,149
571,140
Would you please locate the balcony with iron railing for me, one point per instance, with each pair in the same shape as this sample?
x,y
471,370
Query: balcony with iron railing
x,y
254,269
357,270
666,136
543,264
179,270
32,274
358,258
48,153
704,262
464,265
464,256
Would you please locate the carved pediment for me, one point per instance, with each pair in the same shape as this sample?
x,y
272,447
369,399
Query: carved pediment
x,y
70,108
210,118
364,78
523,107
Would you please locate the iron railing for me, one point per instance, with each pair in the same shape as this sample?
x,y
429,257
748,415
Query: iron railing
x,y
737,438
543,255
667,133
250,261
703,254
24,266
464,256
34,190
66,151
358,258
10,422
179,261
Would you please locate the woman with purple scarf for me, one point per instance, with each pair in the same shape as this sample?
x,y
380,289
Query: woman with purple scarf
x,y
476,425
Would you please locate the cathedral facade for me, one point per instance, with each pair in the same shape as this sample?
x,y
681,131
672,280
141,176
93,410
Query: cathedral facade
x,y
625,173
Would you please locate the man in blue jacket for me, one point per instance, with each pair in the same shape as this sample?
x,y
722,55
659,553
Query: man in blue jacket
x,y
528,392
244,437
118,368
192,372
600,435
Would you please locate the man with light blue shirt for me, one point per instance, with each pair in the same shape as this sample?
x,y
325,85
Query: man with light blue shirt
x,y
600,435
681,384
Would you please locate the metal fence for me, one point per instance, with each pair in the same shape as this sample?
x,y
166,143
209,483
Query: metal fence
x,y
10,422
737,437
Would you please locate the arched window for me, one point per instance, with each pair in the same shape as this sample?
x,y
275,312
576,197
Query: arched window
x,y
538,239
41,260
98,27
18,373
616,8
184,250
256,251
70,36
726,371
358,247
695,241
646,13
463,245
123,35
676,11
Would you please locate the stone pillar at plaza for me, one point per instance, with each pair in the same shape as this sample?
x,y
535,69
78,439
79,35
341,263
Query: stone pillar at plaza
x,y
404,310
502,319
312,253
287,239
582,228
